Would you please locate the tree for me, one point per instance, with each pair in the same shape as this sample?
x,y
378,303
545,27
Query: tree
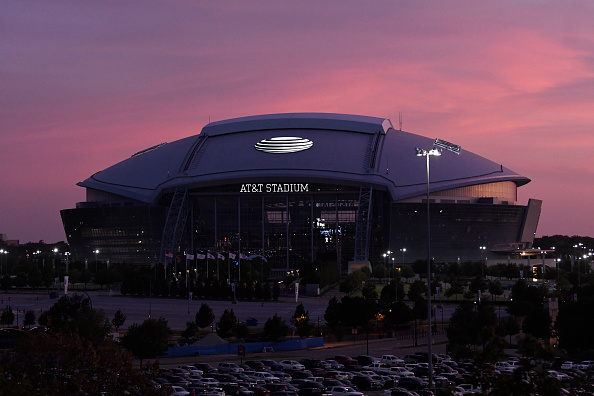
x,y
275,329
495,288
226,324
368,291
456,287
275,291
205,316
148,340
34,277
58,364
190,331
407,272
380,271
73,314
7,317
118,319
417,288
301,321
394,291
29,318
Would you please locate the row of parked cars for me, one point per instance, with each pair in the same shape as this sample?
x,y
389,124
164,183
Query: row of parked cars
x,y
340,375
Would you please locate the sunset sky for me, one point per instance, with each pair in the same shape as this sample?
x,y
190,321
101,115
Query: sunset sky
x,y
85,84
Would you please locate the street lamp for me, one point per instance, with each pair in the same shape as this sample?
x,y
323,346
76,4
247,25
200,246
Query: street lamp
x,y
482,248
437,143
96,253
3,253
403,250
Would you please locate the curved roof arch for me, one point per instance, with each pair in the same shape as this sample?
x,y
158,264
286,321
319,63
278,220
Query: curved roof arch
x,y
321,147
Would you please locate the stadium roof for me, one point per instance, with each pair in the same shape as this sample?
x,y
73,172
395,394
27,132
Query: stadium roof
x,y
304,147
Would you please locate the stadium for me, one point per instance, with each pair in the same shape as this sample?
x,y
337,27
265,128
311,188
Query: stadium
x,y
300,188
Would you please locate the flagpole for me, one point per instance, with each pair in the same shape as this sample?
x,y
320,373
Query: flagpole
x,y
207,265
186,272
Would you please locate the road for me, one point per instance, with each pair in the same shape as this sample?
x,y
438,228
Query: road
x,y
178,311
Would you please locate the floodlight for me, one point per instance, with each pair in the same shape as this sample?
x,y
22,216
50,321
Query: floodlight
x,y
454,148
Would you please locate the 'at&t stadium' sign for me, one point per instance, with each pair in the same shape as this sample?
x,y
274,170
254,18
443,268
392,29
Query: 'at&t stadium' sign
x,y
274,188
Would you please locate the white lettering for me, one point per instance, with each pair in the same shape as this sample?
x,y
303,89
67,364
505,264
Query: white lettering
x,y
274,187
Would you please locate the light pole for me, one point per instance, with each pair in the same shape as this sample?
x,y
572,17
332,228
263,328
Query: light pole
x,y
2,253
428,153
96,251
482,248
403,250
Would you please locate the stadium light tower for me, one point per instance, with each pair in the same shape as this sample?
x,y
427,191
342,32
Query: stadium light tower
x,y
434,151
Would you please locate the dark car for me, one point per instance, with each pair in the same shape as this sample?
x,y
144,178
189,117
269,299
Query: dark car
x,y
256,365
411,383
272,365
311,363
366,360
346,360
205,367
363,382
311,388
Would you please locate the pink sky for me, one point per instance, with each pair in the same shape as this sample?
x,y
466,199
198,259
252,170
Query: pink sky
x,y
87,84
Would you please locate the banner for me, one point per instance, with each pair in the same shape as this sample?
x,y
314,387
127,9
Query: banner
x,y
231,256
220,256
200,256
296,291
170,255
190,256
209,256
242,256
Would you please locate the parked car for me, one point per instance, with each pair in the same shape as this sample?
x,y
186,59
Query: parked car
x,y
411,383
366,360
392,360
272,364
343,391
228,367
401,372
291,365
346,360
364,382
178,391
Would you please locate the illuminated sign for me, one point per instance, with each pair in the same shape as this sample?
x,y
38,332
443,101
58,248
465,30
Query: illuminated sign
x,y
283,145
274,188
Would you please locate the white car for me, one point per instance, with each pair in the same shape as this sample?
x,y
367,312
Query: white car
x,y
343,391
179,391
291,365
401,372
569,365
229,368
334,364
586,364
377,366
392,360
560,376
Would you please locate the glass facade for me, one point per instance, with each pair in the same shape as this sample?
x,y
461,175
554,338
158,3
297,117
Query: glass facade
x,y
122,234
291,229
457,230
287,229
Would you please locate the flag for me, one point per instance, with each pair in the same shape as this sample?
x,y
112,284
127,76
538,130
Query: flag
x,y
220,256
209,256
170,255
200,256
242,256
190,256
231,256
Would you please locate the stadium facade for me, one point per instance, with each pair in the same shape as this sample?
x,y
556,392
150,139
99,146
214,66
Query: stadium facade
x,y
293,188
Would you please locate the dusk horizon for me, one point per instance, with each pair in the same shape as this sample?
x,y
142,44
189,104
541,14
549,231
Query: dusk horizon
x,y
87,85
